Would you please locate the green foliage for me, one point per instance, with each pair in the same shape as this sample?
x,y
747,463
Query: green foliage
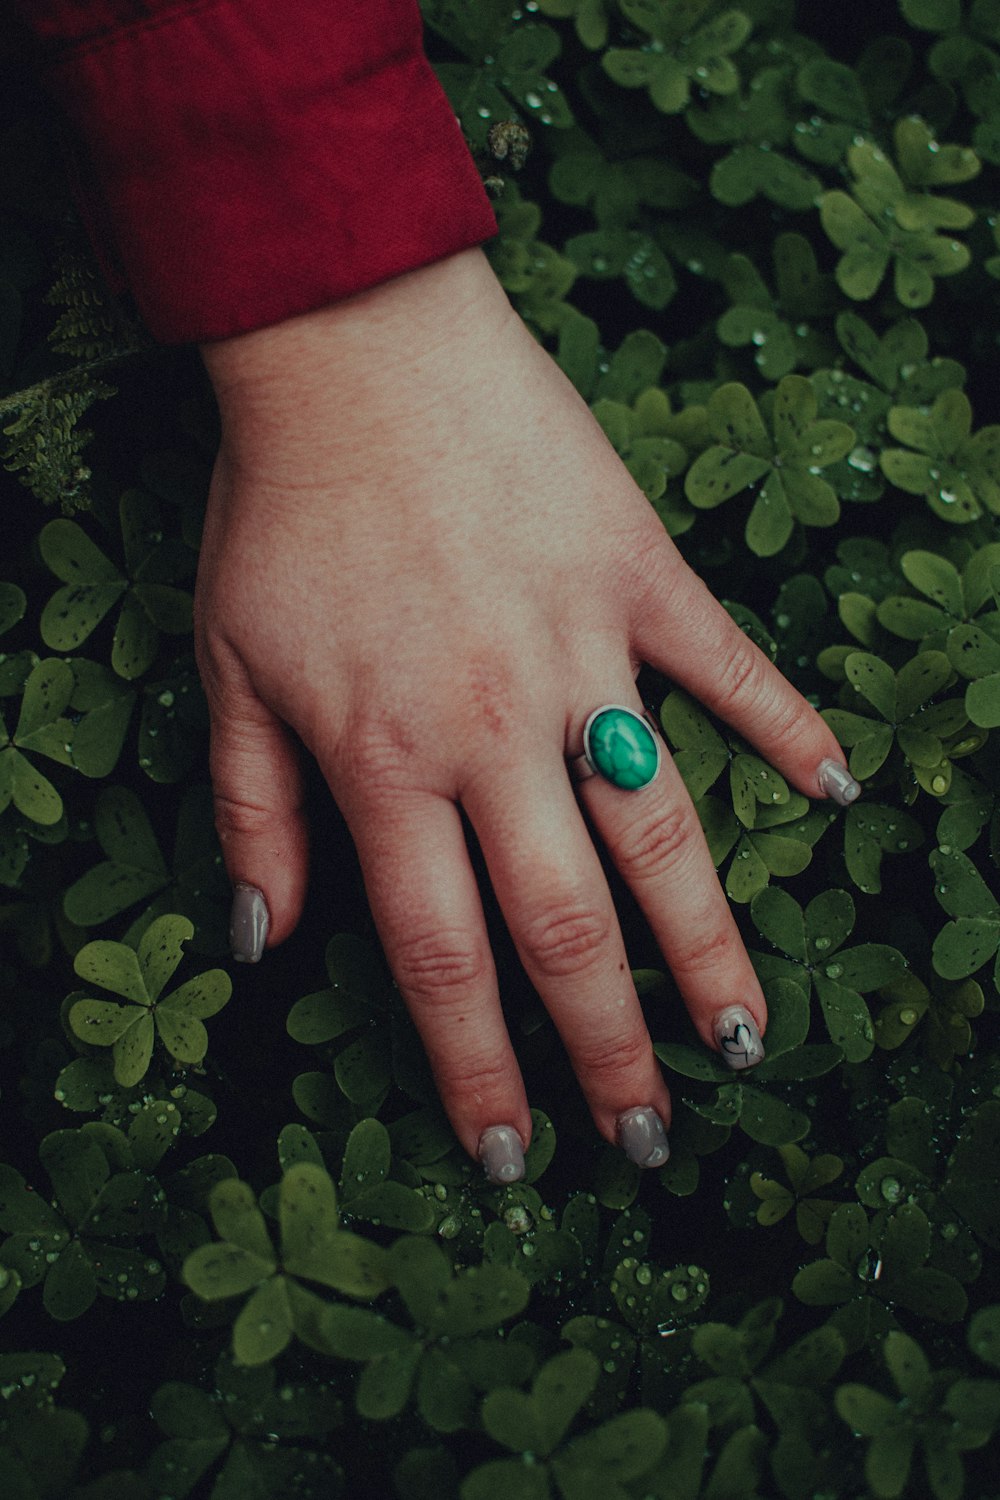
x,y
762,245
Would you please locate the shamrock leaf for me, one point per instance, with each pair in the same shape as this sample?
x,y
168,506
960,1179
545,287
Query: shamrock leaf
x,y
313,1249
772,323
444,1361
905,716
92,585
681,54
945,1009
42,729
757,123
972,937
887,221
784,465
244,1425
805,1178
949,596
944,1415
812,942
70,1245
958,474
138,977
873,1266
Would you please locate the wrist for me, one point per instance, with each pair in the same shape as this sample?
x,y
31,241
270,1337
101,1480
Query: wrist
x,y
360,349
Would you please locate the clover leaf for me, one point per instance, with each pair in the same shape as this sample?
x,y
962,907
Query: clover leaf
x,y
681,54
805,1178
897,360
757,122
640,436
366,1189
42,729
139,977
590,18
888,220
13,604
906,717
957,473
946,1010
134,869
761,1114
873,1266
974,651
444,1361
950,597
625,1448
872,830
69,1245
151,602
945,1416
246,1425
784,465
972,937
313,1249
509,70
812,942
773,323
359,996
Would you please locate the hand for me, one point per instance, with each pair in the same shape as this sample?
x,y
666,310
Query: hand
x,y
423,560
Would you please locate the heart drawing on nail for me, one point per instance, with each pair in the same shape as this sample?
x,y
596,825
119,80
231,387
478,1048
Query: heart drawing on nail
x,y
735,1044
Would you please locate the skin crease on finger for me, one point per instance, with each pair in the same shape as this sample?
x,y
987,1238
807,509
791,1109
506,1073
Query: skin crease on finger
x,y
422,556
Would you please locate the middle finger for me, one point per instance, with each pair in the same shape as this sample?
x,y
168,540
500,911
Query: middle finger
x,y
557,905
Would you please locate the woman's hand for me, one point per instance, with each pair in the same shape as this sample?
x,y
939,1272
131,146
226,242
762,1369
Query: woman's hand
x,y
423,559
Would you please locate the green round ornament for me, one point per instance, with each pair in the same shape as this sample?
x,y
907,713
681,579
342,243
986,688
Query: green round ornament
x,y
620,746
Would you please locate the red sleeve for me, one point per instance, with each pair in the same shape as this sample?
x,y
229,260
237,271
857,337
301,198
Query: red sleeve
x,y
258,158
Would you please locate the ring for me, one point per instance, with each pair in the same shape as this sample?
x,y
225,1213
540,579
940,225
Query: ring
x,y
620,745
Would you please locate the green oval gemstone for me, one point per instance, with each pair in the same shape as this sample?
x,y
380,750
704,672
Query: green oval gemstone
x,y
622,748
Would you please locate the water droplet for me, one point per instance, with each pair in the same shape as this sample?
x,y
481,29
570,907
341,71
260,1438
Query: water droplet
x,y
834,971
939,784
644,1276
679,1291
533,100
822,943
891,1189
908,1017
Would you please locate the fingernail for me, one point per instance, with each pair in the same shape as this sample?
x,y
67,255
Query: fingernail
x,y
248,924
737,1038
642,1137
837,782
501,1154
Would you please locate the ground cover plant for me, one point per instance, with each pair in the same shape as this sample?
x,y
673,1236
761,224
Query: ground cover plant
x,y
240,1251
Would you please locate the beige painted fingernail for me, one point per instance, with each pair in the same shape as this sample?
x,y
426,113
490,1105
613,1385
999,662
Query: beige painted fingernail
x,y
838,783
248,923
501,1154
642,1137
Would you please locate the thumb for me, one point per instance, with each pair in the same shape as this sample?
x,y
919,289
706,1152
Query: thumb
x,y
258,789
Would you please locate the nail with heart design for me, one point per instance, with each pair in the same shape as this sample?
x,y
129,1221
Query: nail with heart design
x,y
737,1038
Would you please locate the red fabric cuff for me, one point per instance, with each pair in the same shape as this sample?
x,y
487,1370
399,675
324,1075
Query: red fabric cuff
x,y
258,159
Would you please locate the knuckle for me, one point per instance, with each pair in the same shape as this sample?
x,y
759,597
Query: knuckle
x,y
374,755
740,670
657,843
463,1076
245,820
611,1058
435,966
566,940
706,950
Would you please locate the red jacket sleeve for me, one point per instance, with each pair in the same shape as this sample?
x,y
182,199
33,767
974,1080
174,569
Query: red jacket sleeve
x,y
254,159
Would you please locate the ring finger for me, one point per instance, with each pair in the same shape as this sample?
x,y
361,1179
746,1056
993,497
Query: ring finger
x,y
655,839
